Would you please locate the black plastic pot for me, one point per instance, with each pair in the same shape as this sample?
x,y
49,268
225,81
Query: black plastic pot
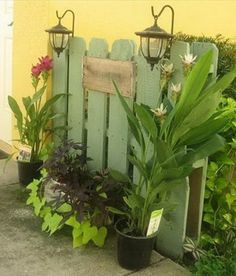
x,y
28,171
133,252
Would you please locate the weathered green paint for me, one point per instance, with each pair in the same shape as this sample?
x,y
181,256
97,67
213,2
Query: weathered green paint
x,y
148,83
76,91
59,85
97,113
113,126
122,49
176,229
196,199
198,48
172,233
118,126
179,48
198,178
147,92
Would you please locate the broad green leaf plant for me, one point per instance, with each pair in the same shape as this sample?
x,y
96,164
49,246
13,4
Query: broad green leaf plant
x,y
34,121
170,141
55,217
219,214
69,194
216,248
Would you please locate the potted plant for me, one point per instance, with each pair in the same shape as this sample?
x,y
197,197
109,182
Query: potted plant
x,y
169,140
33,122
71,195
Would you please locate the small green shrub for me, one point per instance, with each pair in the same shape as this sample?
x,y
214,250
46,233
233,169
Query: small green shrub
x,y
69,194
211,264
219,215
161,135
34,118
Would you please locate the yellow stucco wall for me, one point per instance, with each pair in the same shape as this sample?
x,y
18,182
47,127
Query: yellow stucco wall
x,y
120,19
107,19
29,43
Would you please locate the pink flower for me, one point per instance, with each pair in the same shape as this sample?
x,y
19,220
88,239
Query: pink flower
x,y
36,70
45,63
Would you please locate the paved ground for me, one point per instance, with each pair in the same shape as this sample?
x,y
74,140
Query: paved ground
x,y
26,251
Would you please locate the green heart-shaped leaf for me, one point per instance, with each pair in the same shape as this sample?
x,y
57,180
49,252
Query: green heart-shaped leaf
x,y
72,221
77,242
99,239
89,233
76,232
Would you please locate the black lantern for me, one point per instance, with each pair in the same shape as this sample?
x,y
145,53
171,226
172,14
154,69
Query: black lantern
x,y
59,35
154,40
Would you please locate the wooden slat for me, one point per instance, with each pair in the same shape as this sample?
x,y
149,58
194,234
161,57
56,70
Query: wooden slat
x,y
199,48
99,73
59,85
172,233
148,83
147,92
97,113
196,199
198,178
118,125
179,48
76,102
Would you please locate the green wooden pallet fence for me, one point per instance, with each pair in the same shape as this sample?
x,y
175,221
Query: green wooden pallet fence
x,y
98,119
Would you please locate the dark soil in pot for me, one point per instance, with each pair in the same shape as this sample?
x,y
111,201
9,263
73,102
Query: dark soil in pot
x,y
29,171
133,252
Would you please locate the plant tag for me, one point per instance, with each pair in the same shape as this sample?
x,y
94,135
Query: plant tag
x,y
24,153
154,222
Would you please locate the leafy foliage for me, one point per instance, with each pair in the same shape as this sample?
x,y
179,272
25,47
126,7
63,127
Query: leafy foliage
x,y
215,265
33,122
87,194
219,217
192,247
171,143
81,199
227,56
51,219
83,232
33,198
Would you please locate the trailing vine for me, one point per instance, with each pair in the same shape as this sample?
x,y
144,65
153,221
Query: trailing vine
x,y
68,194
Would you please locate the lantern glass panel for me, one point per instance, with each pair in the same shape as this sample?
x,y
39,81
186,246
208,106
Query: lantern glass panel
x,y
154,47
144,45
59,40
163,48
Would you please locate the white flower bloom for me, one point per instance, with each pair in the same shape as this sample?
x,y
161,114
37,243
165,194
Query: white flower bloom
x,y
176,88
188,59
160,111
167,68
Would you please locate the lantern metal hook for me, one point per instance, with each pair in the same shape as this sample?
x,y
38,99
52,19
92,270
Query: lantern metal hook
x,y
73,19
156,16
